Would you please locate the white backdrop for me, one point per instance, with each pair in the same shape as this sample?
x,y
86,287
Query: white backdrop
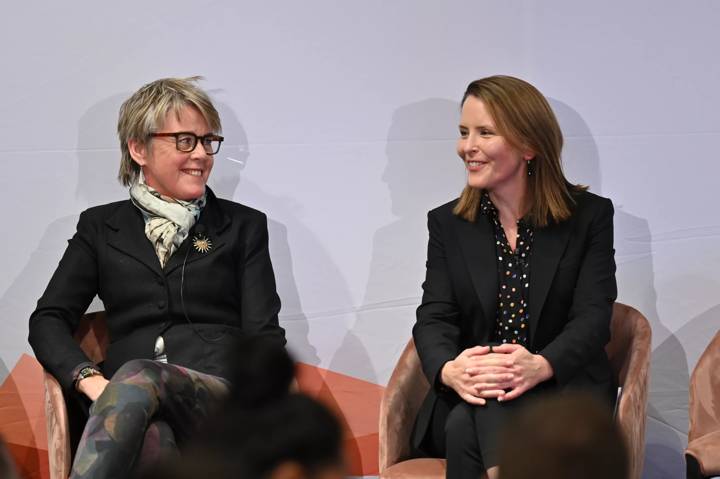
x,y
340,119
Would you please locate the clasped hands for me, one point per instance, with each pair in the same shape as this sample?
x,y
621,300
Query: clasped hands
x,y
502,372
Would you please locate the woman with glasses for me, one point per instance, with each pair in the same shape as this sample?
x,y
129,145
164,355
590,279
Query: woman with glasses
x,y
182,274
520,281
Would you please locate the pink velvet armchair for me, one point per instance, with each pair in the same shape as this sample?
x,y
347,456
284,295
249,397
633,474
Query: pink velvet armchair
x,y
629,352
703,451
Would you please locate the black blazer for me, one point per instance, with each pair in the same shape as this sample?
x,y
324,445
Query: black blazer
x,y
228,291
572,290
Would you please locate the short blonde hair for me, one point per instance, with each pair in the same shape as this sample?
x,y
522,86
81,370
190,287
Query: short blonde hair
x,y
523,116
145,111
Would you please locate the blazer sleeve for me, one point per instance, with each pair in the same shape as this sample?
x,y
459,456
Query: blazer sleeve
x,y
436,331
260,303
587,330
67,296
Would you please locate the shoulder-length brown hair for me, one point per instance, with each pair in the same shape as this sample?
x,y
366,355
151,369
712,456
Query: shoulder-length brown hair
x,y
524,118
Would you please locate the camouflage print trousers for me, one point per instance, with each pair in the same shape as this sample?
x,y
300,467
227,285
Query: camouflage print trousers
x,y
146,409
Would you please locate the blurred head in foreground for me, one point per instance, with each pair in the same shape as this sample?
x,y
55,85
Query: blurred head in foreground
x,y
566,436
294,438
262,372
7,466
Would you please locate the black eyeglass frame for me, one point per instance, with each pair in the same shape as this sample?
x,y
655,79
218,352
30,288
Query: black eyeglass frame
x,y
196,138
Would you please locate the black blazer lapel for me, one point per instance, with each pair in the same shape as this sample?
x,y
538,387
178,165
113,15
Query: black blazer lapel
x,y
548,246
127,235
477,242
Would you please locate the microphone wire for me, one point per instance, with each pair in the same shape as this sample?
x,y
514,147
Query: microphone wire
x,y
182,296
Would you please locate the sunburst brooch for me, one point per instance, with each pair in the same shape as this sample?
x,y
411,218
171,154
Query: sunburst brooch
x,y
202,244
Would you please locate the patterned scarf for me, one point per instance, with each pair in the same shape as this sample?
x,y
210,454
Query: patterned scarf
x,y
167,221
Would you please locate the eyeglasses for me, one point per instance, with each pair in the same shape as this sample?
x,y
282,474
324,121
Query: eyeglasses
x,y
186,141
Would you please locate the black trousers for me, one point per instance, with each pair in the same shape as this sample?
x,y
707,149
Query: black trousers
x,y
468,436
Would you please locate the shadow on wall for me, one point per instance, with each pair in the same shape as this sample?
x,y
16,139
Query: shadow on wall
x,y
232,157
98,153
225,181
700,330
668,393
320,275
98,160
422,172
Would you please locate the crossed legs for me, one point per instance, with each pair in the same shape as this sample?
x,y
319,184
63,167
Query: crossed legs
x,y
144,409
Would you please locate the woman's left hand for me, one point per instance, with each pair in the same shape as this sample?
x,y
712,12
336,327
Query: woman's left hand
x,y
528,369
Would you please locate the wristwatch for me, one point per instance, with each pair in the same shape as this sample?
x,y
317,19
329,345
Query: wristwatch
x,y
86,372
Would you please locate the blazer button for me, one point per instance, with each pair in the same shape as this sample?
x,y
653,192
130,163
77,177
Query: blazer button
x,y
161,304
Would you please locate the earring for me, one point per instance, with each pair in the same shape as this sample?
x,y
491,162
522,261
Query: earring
x,y
530,167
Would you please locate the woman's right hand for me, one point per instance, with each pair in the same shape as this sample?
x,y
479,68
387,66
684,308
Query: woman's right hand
x,y
92,386
475,388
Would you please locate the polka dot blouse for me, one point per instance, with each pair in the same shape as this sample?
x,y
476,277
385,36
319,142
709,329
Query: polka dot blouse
x,y
512,317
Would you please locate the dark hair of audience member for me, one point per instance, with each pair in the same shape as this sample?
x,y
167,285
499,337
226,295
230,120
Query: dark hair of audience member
x,y
262,372
7,466
567,436
295,438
